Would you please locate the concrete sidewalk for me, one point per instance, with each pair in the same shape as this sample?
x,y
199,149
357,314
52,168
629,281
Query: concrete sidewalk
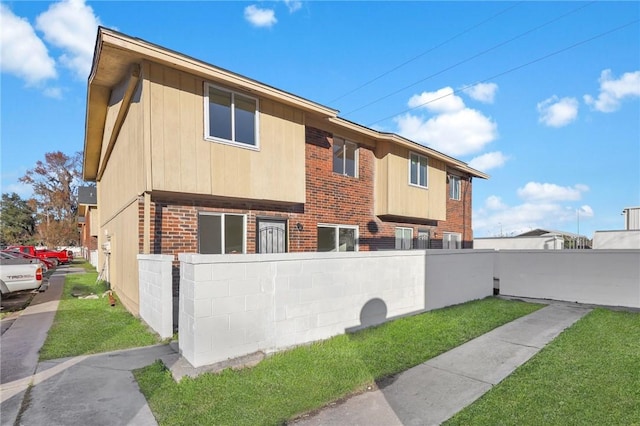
x,y
101,390
86,390
430,393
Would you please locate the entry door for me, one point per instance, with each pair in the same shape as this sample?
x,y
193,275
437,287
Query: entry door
x,y
272,236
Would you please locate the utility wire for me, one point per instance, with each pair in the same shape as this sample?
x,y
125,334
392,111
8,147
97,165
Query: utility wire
x,y
502,12
493,77
484,52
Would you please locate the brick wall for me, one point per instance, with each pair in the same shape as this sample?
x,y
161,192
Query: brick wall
x,y
459,214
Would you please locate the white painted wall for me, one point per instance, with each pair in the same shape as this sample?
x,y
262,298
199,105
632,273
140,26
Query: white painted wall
x,y
155,286
601,277
616,239
554,242
232,305
93,258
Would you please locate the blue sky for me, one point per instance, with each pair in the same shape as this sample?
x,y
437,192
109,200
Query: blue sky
x,y
543,96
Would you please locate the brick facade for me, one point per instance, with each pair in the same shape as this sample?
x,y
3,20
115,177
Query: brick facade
x,y
331,198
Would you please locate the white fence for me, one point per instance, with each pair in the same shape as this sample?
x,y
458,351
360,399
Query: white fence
x,y
601,277
232,305
155,287
616,239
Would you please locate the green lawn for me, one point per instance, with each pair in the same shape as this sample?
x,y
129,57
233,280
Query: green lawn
x,y
87,326
299,380
589,375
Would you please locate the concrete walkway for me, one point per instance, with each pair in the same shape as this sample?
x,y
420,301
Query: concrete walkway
x,y
101,390
430,393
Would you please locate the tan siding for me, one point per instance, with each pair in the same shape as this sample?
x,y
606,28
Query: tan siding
x,y
397,197
183,161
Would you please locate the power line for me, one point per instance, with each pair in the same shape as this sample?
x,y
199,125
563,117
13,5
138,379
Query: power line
x,y
512,69
425,52
484,52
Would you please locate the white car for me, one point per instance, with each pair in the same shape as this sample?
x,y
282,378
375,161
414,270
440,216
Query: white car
x,y
18,274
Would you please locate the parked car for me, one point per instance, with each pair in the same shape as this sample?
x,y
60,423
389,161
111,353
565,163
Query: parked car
x,y
45,263
18,274
57,257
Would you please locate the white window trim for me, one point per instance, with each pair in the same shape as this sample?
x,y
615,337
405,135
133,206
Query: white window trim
x,y
426,171
333,225
222,230
410,239
458,180
208,137
448,234
357,159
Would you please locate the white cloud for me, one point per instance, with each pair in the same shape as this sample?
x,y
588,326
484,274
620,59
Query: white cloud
x,y
260,17
482,92
457,133
293,5
613,91
497,218
72,26
440,101
22,53
53,92
534,191
488,161
555,112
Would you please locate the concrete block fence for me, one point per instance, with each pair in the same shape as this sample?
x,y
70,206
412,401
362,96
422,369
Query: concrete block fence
x,y
155,287
600,277
232,305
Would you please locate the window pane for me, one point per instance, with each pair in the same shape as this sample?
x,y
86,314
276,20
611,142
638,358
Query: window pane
x,y
219,113
245,120
347,239
233,233
350,159
414,170
209,235
398,239
326,239
423,171
338,156
423,240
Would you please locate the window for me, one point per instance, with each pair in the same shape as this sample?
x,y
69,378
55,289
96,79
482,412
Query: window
x,y
230,117
454,187
451,240
418,170
404,237
423,239
345,157
337,238
221,233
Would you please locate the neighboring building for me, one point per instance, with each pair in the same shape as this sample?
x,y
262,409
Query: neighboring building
x,y
189,157
87,214
629,238
543,239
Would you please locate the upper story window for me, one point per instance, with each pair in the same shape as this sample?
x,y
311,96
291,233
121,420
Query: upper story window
x,y
454,187
418,170
230,117
345,157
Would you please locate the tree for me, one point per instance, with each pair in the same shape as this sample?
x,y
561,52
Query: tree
x,y
55,187
17,220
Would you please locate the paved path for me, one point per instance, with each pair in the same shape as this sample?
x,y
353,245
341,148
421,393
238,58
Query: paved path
x,y
101,390
430,393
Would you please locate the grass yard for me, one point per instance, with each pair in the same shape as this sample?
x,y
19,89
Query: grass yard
x,y
87,326
589,375
293,382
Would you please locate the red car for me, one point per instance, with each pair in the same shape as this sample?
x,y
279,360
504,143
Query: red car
x,y
45,263
57,257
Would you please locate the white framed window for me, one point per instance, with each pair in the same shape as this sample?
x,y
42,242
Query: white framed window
x,y
454,187
221,233
404,238
418,170
451,240
337,237
345,157
230,117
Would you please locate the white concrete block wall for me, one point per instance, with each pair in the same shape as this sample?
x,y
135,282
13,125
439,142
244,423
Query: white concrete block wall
x,y
457,276
602,277
155,287
232,305
616,240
